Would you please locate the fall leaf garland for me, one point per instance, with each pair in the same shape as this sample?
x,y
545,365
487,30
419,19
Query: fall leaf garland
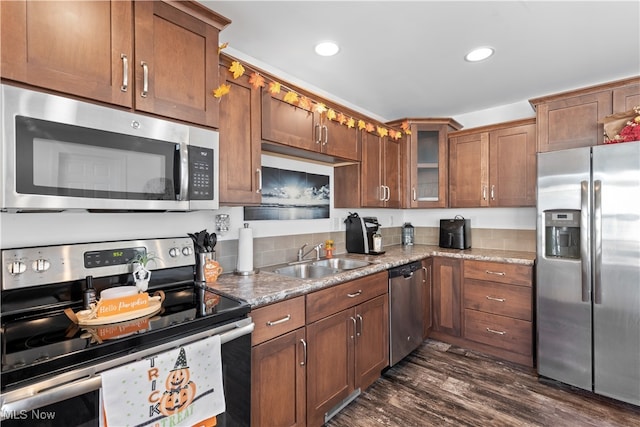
x,y
294,98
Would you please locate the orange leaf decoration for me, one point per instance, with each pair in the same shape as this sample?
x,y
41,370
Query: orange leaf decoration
x,y
405,127
320,108
331,115
393,134
342,119
369,127
274,87
237,69
351,122
221,91
304,102
382,131
222,46
256,80
291,97
361,124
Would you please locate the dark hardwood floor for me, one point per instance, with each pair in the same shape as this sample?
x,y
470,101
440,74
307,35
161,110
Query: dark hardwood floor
x,y
439,384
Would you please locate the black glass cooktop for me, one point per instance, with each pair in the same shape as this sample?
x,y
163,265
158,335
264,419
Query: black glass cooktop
x,y
44,341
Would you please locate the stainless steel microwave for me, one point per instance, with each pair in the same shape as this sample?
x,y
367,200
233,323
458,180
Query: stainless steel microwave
x,y
60,153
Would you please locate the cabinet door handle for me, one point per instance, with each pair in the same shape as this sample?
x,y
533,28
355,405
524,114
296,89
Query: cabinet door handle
x,y
353,319
484,192
360,320
495,299
125,73
413,192
304,352
317,131
326,135
355,294
493,331
493,189
496,273
145,79
259,176
277,322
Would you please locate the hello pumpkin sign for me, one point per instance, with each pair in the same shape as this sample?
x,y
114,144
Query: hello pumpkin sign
x,y
179,387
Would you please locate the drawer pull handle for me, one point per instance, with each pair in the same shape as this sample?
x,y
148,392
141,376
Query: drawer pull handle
x,y
277,322
355,294
493,331
496,299
496,273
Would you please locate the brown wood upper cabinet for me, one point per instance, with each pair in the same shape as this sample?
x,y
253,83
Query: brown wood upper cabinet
x,y
575,119
425,156
381,175
493,165
296,127
240,141
169,69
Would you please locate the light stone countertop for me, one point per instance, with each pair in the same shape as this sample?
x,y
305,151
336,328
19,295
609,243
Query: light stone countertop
x,y
266,288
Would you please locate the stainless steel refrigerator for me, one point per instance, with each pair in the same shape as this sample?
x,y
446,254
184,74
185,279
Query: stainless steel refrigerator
x,y
588,269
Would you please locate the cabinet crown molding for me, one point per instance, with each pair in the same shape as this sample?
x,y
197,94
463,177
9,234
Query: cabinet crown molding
x,y
584,91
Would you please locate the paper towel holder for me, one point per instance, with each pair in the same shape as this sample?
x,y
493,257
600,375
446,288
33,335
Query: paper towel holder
x,y
245,273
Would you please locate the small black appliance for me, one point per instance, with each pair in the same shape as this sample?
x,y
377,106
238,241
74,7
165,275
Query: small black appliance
x,y
455,233
360,231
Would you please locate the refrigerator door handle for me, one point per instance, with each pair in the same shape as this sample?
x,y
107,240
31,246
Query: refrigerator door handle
x,y
585,256
597,242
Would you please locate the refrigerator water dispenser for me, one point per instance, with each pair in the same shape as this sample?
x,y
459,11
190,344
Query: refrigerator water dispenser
x,y
562,233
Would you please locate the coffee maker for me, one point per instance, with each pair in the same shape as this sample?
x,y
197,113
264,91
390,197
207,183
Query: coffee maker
x,y
360,231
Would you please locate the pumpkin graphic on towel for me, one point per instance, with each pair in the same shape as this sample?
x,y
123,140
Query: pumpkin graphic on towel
x,y
180,389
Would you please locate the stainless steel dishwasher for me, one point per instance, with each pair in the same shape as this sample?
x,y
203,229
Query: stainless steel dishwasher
x,y
406,289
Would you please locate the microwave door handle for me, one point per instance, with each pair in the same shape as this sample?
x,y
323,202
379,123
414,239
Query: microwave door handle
x,y
182,172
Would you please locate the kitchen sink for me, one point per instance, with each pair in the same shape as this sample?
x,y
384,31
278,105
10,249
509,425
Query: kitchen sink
x,y
306,271
341,263
318,269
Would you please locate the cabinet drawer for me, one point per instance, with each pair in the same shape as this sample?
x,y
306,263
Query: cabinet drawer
x,y
496,298
509,334
277,319
513,274
328,301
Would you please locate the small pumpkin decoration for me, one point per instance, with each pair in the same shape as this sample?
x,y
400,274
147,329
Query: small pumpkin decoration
x,y
180,389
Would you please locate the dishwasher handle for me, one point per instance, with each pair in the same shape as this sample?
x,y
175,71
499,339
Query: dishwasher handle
x,y
406,270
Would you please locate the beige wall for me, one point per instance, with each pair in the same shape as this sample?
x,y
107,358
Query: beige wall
x,y
281,249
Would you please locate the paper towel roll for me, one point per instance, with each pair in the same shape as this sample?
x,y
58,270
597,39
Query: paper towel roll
x,y
245,250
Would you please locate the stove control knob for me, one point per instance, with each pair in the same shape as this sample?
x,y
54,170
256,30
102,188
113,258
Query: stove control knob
x,y
40,265
174,252
186,251
17,267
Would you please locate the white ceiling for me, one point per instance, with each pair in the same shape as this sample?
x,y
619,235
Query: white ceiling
x,y
405,58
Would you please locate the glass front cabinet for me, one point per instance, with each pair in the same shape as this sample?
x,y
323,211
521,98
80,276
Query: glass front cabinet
x,y
425,157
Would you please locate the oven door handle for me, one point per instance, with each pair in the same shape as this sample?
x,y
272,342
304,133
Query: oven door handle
x,y
87,385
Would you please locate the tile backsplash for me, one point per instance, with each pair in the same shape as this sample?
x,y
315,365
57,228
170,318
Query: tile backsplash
x,y
281,249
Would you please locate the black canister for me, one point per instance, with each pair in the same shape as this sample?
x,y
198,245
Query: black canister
x,y
407,234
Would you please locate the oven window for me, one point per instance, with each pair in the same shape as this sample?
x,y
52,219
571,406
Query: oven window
x,y
64,160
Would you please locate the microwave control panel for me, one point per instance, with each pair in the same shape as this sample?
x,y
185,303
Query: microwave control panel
x,y
200,173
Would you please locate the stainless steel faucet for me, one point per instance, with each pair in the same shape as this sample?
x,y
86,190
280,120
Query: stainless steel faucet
x,y
302,254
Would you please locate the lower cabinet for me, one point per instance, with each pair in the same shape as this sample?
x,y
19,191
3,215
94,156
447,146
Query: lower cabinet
x,y
498,309
348,342
447,293
278,365
427,297
302,372
486,306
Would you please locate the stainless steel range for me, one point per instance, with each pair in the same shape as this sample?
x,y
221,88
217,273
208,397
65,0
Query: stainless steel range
x,y
53,365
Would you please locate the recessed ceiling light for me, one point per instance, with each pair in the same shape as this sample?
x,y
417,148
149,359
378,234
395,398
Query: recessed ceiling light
x,y
327,48
479,54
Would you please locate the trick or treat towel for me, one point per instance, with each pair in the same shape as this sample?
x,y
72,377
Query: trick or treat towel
x,y
181,387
